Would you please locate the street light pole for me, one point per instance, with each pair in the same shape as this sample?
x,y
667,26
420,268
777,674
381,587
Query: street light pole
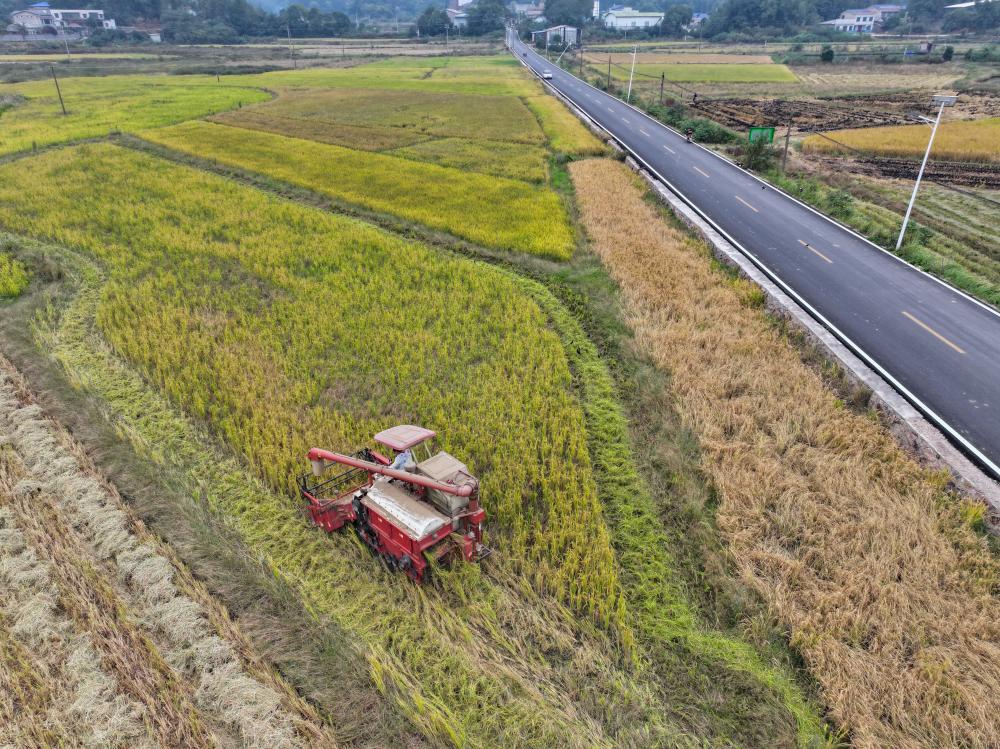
x,y
628,96
944,101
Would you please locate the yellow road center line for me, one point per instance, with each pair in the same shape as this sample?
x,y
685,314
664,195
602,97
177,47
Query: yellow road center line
x,y
813,249
933,332
746,204
700,172
670,149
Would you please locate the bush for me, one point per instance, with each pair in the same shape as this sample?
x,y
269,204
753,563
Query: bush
x,y
758,156
840,204
949,52
827,54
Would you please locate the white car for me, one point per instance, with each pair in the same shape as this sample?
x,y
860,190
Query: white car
x,y
547,75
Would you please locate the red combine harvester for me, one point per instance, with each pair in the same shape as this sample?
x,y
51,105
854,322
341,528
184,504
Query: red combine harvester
x,y
407,510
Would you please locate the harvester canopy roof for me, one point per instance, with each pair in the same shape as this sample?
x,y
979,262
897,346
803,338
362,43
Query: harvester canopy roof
x,y
403,437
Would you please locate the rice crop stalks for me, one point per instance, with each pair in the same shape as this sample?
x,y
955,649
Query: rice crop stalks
x,y
13,277
887,594
231,683
964,140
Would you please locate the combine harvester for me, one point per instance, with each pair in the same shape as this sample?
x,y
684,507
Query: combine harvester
x,y
407,511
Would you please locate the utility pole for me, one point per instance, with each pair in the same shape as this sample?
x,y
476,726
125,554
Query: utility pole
x,y
66,42
61,104
784,156
944,101
628,96
663,77
609,72
291,50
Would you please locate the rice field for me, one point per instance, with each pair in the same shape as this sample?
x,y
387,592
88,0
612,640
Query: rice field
x,y
104,640
885,589
234,282
705,73
492,211
13,277
98,106
964,140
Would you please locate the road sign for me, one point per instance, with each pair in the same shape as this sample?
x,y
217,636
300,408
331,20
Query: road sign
x,y
765,134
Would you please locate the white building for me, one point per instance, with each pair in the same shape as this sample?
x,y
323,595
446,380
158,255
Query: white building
x,y
864,20
39,18
627,19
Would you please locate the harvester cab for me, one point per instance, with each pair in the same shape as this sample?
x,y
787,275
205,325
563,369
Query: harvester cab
x,y
422,504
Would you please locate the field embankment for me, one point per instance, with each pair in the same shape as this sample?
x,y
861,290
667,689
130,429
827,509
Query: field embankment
x,y
885,590
105,640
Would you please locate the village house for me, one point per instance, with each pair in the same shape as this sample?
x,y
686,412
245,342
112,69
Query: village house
x,y
40,18
626,19
864,20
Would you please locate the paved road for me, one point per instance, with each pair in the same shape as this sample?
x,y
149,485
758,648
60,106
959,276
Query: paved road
x,y
938,347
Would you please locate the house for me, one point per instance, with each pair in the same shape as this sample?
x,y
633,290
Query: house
x,y
864,20
626,19
458,12
697,19
531,11
40,18
459,18
557,35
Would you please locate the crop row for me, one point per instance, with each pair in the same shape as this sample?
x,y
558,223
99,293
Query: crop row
x,y
480,657
56,490
492,211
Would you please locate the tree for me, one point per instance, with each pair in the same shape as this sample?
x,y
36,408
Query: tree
x,y
675,19
433,21
571,12
949,52
486,16
778,16
827,54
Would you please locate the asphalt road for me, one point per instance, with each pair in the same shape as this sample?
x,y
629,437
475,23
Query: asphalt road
x,y
935,345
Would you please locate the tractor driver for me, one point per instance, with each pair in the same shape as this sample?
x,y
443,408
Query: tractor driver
x,y
402,461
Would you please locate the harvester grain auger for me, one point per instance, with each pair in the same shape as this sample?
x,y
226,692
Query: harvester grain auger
x,y
408,510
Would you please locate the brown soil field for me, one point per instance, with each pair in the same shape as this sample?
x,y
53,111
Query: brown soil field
x,y
875,571
805,115
105,638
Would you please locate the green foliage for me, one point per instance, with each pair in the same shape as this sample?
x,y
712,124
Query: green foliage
x,y
492,211
758,156
486,16
433,21
13,277
827,54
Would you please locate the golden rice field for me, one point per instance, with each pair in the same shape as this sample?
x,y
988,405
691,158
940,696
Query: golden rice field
x,y
278,328
98,106
965,140
678,58
105,638
492,211
885,590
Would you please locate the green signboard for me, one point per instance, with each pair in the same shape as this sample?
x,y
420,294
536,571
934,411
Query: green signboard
x,y
765,134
